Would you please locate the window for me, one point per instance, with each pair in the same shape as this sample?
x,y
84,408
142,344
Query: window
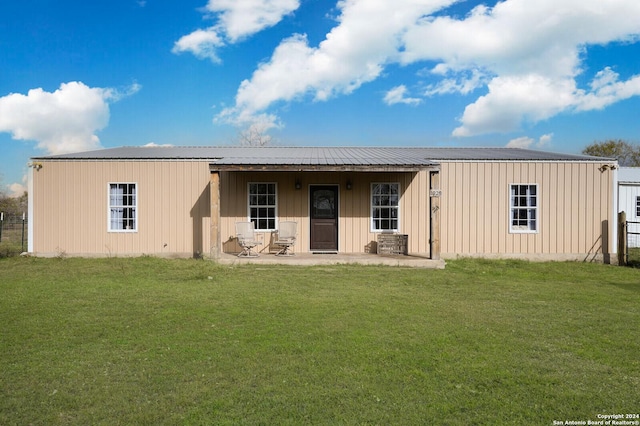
x,y
123,206
638,206
524,208
262,205
385,198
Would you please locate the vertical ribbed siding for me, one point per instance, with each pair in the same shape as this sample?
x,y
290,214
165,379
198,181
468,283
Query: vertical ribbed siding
x,y
71,207
354,227
71,203
574,205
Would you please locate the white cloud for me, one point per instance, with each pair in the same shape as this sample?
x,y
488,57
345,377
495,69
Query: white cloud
x,y
514,99
532,50
526,54
155,145
354,52
397,95
236,20
16,189
527,142
461,83
63,121
521,36
202,43
248,119
521,142
240,19
534,97
545,139
606,89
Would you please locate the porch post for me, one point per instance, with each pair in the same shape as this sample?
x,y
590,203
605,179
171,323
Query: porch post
x,y
214,188
434,216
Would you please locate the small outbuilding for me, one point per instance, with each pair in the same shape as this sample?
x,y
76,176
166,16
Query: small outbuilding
x,y
443,202
629,201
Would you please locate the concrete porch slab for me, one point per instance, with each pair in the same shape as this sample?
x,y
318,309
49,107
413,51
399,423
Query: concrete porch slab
x,y
310,259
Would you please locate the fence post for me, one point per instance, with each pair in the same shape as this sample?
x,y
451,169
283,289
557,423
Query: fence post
x,y
1,224
622,238
22,241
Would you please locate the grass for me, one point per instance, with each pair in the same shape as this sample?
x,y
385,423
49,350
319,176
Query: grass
x,y
150,341
11,243
634,257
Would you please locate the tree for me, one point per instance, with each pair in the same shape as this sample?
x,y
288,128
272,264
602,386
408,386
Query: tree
x,y
12,205
627,154
255,135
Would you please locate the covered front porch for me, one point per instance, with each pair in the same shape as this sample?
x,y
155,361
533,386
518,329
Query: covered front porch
x,y
337,212
311,259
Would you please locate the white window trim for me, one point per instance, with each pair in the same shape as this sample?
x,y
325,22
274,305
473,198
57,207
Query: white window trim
x,y
516,230
135,207
371,207
275,207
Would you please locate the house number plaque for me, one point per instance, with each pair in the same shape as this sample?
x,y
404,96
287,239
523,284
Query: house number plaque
x,y
435,193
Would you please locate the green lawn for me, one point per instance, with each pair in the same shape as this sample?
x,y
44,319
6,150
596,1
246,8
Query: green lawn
x,y
150,341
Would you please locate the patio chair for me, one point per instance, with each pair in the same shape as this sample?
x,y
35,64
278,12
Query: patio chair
x,y
245,231
286,237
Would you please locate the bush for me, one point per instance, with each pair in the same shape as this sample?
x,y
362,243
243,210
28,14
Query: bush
x,y
9,249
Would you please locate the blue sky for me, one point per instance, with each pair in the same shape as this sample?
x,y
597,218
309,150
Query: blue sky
x,y
545,74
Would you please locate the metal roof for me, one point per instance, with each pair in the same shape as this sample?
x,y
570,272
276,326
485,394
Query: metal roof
x,y
629,175
502,154
268,157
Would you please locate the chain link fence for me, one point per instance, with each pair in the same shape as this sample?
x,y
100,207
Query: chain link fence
x,y
13,234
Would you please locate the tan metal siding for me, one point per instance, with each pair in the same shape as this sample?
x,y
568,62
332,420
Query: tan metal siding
x,y
354,233
71,203
574,207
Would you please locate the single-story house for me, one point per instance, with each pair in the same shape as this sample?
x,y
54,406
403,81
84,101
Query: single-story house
x,y
629,201
447,202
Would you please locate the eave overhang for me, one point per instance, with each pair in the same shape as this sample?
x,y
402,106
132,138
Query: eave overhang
x,y
408,168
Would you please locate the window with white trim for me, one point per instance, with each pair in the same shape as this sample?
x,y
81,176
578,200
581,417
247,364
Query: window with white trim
x,y
385,201
523,207
262,205
123,207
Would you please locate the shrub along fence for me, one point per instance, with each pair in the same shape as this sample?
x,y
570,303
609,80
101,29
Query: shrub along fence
x,y
13,233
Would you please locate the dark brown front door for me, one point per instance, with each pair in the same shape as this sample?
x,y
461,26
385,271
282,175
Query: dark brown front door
x,y
324,217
